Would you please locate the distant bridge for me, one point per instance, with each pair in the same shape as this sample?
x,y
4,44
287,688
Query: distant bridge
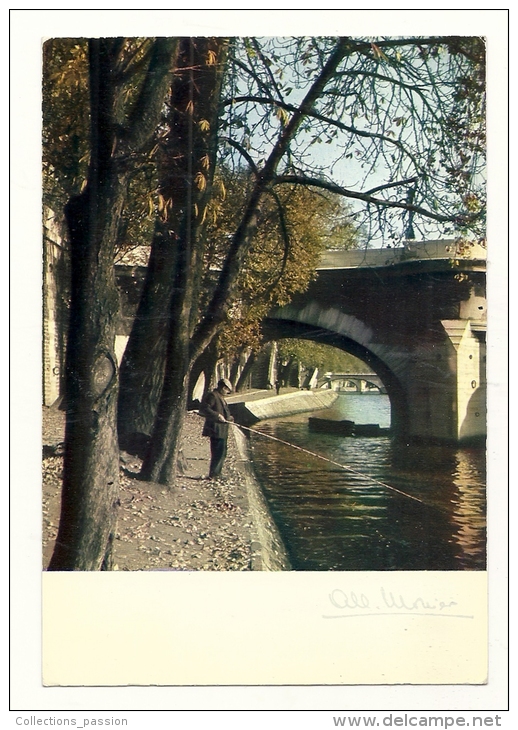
x,y
359,382
416,315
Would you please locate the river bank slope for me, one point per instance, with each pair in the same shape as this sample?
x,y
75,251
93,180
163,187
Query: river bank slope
x,y
200,524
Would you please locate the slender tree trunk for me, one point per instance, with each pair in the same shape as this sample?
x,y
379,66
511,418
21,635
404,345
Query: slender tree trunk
x,y
234,369
240,385
154,385
205,364
143,365
91,459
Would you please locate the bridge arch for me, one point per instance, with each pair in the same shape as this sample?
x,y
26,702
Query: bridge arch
x,y
347,333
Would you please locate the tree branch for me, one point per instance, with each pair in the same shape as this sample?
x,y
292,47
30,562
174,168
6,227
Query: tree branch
x,y
128,66
397,184
268,69
367,198
327,120
243,152
286,239
256,78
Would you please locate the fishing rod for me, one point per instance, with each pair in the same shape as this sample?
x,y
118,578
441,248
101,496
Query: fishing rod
x,y
330,461
335,463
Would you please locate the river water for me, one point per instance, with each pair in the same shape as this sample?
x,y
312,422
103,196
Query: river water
x,y
331,518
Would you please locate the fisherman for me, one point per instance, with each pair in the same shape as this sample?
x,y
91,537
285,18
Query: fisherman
x,y
217,417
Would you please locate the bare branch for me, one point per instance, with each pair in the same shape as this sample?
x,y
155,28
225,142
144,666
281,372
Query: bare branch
x,y
366,198
311,113
397,184
243,152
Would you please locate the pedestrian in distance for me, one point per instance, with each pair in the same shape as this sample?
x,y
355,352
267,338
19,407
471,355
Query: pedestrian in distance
x,y
217,417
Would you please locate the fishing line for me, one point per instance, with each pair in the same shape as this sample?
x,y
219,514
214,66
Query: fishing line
x,y
330,461
336,463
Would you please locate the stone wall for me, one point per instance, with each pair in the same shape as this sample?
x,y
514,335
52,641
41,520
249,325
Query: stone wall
x,y
248,411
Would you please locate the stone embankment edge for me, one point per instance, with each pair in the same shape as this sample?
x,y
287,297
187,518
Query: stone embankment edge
x,y
268,550
248,412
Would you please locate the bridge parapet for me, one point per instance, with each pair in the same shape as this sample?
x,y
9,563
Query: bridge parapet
x,y
413,251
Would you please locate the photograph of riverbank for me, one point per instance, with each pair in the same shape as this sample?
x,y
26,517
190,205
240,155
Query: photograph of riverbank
x,y
214,279
288,224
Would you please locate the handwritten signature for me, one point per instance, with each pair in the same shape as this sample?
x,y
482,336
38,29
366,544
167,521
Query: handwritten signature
x,y
387,603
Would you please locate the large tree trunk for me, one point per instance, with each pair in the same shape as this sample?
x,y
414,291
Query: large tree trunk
x,y
91,463
91,459
156,366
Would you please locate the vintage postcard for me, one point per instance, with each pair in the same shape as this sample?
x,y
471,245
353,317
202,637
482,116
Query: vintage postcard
x,y
273,351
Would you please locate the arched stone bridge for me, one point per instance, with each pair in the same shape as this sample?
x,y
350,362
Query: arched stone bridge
x,y
416,315
362,382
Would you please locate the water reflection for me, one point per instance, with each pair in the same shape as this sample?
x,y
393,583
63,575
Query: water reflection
x,y
470,509
332,519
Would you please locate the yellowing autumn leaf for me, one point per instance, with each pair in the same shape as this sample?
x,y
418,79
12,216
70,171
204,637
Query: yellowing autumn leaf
x,y
282,115
378,53
200,181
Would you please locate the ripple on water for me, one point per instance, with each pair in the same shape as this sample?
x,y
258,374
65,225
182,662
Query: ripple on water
x,y
334,519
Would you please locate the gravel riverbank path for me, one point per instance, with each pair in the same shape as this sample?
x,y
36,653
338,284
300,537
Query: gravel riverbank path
x,y
199,524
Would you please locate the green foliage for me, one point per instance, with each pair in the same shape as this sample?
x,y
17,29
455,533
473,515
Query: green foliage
x,y
324,357
66,119
66,131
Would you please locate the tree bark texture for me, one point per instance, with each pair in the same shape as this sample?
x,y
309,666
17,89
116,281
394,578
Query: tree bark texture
x,y
91,459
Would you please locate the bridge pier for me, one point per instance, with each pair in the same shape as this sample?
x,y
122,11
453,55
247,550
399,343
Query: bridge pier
x,y
468,342
445,389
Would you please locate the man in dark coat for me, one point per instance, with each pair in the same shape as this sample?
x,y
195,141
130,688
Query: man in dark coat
x,y
217,417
